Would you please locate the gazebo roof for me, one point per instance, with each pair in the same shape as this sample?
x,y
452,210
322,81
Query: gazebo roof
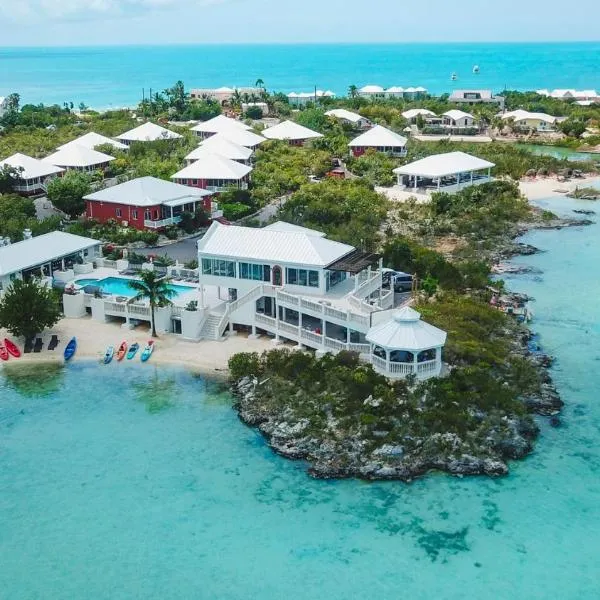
x,y
406,331
213,166
221,145
443,165
288,130
74,155
148,132
220,123
93,139
379,137
29,167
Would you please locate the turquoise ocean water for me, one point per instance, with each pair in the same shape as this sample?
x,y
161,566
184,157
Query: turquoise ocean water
x,y
105,77
127,481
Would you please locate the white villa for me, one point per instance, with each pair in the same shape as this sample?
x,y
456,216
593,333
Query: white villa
x,y
291,132
73,157
349,117
52,256
221,145
218,124
571,94
472,97
214,173
531,121
449,172
34,174
380,139
303,98
294,284
371,91
376,91
414,113
93,140
457,119
148,132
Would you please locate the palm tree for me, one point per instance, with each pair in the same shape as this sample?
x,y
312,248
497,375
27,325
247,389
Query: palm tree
x,y
154,288
260,84
352,91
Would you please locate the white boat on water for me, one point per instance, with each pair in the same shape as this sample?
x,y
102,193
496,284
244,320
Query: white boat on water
x,y
476,69
454,77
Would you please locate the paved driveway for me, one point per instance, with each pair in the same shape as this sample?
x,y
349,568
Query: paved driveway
x,y
183,251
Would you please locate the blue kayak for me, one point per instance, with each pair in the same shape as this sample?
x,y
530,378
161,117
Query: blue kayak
x,y
147,353
132,350
108,355
71,348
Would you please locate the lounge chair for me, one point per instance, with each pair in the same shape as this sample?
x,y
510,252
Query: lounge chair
x,y
38,345
28,345
53,342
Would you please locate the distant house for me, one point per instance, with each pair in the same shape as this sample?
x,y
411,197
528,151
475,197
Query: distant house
x,y
263,106
294,133
530,121
34,174
222,95
148,132
371,91
457,119
214,173
380,139
414,113
146,203
3,105
571,94
73,157
303,98
472,97
218,124
93,140
349,117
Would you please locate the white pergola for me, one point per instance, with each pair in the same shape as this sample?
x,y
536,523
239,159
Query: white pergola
x,y
446,172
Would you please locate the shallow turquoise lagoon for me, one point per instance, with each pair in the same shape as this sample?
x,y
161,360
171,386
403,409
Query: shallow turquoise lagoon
x,y
142,483
120,287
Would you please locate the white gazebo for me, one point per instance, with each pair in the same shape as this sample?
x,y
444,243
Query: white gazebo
x,y
33,174
92,140
405,345
148,132
381,139
449,172
79,158
294,133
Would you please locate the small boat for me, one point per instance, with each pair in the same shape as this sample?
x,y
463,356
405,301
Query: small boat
x,y
12,348
132,350
454,77
476,70
108,355
148,350
122,351
3,352
70,348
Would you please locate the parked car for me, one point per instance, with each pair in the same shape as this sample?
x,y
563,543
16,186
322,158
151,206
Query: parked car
x,y
401,281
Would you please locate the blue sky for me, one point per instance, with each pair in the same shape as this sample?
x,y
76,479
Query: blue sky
x,y
99,22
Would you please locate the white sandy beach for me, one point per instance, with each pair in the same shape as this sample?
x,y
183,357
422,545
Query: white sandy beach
x,y
550,187
93,338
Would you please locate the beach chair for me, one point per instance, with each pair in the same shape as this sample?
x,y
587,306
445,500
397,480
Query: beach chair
x,y
53,342
37,347
28,345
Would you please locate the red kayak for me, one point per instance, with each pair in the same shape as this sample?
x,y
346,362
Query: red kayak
x,y
12,348
3,352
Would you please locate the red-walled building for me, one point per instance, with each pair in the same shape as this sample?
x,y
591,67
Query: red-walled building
x,y
147,203
379,139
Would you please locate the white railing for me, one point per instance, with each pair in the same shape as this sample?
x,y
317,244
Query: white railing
x,y
115,307
289,328
360,348
265,320
105,262
335,313
142,311
378,362
335,344
314,306
429,366
368,287
401,368
288,299
161,223
311,336
176,311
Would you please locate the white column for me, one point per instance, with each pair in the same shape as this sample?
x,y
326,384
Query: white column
x,y
415,362
387,360
416,180
471,177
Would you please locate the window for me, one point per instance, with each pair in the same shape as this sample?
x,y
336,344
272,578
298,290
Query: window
x,y
302,277
147,215
134,215
255,272
118,212
218,268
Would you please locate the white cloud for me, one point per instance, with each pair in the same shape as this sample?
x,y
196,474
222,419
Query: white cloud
x,y
59,10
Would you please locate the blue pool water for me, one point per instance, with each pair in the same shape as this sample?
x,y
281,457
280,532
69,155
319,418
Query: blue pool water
x,y
142,483
120,287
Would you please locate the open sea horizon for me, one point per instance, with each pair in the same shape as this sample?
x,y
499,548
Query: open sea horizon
x,y
114,76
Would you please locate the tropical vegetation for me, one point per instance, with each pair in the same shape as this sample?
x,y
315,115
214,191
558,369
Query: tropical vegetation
x,y
155,288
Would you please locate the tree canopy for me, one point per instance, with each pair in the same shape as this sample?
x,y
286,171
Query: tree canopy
x,y
66,193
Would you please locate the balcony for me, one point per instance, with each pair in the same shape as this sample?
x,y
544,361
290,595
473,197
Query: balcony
x,y
162,223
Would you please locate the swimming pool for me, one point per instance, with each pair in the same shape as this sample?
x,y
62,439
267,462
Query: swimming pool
x,y
119,286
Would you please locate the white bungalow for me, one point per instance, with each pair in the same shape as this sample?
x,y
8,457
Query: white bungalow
x,y
221,145
148,132
448,172
54,255
414,113
371,91
405,345
33,175
79,158
294,284
380,139
241,137
395,92
304,98
472,97
349,117
93,140
214,173
530,121
457,119
218,124
295,134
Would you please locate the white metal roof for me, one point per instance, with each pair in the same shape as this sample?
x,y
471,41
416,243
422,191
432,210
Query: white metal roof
x,y
415,112
148,132
32,167
522,115
371,89
271,245
241,137
222,145
395,90
40,250
93,139
213,166
406,331
290,227
455,115
379,137
460,94
420,89
147,191
442,165
288,130
218,124
346,115
74,155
